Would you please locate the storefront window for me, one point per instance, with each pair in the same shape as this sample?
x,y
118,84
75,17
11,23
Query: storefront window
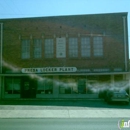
x,y
81,86
92,87
118,77
12,85
68,85
118,82
45,86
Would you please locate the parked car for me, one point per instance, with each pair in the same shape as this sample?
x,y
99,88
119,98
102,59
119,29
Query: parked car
x,y
117,96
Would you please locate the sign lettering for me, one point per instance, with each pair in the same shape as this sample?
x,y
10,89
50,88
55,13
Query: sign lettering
x,y
49,69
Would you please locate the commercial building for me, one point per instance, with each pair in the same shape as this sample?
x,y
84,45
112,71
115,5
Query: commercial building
x,y
63,56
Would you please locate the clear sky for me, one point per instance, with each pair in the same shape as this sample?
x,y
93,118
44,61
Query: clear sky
x,y
42,8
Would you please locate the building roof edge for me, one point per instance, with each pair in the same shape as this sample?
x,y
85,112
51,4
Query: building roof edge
x,y
38,17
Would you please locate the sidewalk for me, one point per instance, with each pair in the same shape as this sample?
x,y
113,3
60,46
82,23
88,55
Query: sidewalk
x,y
63,109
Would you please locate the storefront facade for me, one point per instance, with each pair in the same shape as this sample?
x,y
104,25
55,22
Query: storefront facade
x,y
60,86
63,56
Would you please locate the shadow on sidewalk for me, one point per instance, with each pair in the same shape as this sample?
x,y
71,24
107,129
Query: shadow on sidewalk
x,y
67,103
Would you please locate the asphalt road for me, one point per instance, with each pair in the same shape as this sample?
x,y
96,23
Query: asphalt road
x,y
60,124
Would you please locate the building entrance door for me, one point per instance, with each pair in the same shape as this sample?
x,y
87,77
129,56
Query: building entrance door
x,y
28,89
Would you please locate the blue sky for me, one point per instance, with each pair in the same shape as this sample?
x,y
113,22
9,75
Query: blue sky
x,y
36,8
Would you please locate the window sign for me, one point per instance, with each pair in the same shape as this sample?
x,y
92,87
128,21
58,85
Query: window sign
x,y
61,47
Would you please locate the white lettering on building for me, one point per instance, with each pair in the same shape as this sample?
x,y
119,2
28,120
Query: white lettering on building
x,y
49,69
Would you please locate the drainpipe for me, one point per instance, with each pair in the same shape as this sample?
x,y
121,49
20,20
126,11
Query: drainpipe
x,y
125,42
1,44
129,84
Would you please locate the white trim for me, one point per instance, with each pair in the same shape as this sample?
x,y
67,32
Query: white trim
x,y
53,74
1,43
125,53
0,87
129,84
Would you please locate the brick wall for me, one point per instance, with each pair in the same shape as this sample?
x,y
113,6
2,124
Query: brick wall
x,y
108,26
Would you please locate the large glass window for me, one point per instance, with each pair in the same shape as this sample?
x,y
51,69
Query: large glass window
x,y
82,84
45,86
25,49
73,47
98,46
12,85
68,85
37,48
49,48
85,47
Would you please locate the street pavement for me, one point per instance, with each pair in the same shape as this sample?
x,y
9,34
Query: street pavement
x,y
62,124
62,109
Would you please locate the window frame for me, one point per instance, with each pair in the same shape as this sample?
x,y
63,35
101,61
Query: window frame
x,y
98,46
85,47
37,48
49,49
11,83
73,47
25,49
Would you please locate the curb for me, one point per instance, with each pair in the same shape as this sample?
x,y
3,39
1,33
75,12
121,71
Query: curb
x,y
54,99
